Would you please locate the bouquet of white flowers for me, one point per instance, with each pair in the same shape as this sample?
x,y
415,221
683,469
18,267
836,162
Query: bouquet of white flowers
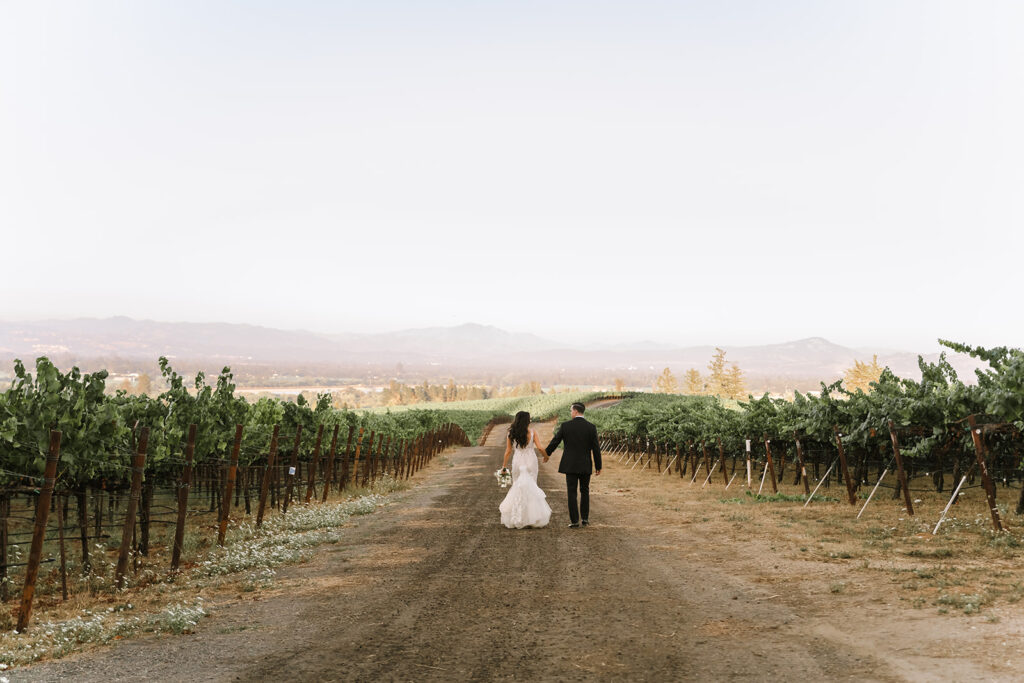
x,y
504,476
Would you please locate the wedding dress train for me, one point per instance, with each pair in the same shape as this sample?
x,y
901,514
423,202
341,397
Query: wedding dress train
x,y
526,504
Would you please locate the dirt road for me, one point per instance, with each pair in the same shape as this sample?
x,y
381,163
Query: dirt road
x,y
433,588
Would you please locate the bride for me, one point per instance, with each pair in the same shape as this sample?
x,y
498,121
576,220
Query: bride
x,y
526,504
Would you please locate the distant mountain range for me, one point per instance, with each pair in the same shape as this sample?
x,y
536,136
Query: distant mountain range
x,y
468,345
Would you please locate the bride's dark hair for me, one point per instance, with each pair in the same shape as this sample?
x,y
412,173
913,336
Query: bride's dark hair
x,y
518,431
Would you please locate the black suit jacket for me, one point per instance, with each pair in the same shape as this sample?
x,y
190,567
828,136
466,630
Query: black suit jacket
x,y
580,439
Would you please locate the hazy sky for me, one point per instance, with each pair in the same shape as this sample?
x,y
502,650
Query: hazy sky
x,y
693,172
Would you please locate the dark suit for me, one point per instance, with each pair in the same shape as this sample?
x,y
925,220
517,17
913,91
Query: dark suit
x,y
580,444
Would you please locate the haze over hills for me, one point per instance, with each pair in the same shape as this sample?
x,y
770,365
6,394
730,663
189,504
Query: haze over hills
x,y
147,339
443,348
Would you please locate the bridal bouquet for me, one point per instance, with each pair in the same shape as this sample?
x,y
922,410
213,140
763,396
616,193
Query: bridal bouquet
x,y
504,476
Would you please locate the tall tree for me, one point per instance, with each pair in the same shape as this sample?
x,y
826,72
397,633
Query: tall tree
x,y
144,385
666,383
694,382
861,375
735,386
718,377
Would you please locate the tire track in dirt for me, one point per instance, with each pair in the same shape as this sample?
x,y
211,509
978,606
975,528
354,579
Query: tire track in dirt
x,y
433,588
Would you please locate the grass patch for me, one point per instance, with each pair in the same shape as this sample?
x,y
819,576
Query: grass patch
x,y
935,553
751,497
967,603
53,640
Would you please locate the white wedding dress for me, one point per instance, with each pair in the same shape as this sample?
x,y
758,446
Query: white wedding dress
x,y
525,504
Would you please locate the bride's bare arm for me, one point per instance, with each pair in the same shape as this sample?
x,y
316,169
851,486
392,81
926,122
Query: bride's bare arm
x,y
508,452
536,441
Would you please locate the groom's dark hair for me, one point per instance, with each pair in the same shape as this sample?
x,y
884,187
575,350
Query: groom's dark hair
x,y
579,408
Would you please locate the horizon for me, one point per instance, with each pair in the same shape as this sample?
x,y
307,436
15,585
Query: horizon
x,y
631,344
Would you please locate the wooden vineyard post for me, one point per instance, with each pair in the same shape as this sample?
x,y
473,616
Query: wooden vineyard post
x,y
355,461
230,485
414,457
373,457
842,464
63,554
329,470
345,464
138,466
292,468
39,531
407,469
314,463
990,489
421,453
803,465
378,458
387,457
83,528
267,475
901,473
721,458
183,488
5,513
399,454
368,460
403,463
771,463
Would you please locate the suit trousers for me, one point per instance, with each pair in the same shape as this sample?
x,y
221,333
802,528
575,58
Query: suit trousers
x,y
581,481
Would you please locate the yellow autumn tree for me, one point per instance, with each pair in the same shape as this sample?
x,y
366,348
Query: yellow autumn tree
x,y
735,386
861,375
666,383
718,377
694,382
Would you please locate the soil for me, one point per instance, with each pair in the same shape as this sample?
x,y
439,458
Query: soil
x,y
433,588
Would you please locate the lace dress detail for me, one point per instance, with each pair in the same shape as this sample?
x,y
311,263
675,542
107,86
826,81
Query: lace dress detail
x,y
526,504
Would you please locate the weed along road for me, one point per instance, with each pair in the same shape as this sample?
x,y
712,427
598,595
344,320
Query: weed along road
x,y
433,588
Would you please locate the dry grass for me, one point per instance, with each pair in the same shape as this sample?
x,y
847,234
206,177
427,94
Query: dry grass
x,y
158,600
965,568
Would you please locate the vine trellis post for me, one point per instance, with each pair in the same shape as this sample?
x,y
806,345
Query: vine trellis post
x,y
39,531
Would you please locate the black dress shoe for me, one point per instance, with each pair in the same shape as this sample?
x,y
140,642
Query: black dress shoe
x,y
585,522
574,525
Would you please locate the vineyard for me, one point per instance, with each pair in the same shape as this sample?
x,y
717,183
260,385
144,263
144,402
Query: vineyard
x,y
952,435
156,479
475,416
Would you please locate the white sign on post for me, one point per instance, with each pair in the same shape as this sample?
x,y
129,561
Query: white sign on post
x,y
291,470
748,445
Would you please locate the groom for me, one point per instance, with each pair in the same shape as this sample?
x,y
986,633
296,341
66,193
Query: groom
x,y
580,439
